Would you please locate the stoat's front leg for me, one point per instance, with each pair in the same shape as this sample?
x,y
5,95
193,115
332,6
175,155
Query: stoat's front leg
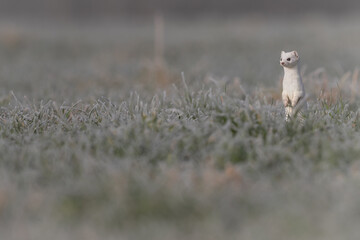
x,y
288,106
297,96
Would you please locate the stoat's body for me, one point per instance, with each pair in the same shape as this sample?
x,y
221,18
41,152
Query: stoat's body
x,y
293,88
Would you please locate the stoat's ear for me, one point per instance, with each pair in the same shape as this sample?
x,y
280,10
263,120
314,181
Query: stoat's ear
x,y
282,53
296,54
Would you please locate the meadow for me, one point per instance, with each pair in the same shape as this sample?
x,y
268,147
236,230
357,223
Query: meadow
x,y
103,136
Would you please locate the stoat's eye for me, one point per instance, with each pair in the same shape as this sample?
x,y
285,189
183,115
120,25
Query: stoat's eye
x,y
280,59
288,59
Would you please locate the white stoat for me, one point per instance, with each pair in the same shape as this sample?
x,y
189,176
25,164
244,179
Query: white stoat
x,y
293,88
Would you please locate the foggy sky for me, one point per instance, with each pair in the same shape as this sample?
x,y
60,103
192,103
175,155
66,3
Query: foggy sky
x,y
178,8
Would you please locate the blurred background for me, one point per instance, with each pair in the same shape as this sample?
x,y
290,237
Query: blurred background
x,y
83,49
78,9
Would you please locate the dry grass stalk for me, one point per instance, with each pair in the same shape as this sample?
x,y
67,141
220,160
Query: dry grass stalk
x,y
354,85
160,72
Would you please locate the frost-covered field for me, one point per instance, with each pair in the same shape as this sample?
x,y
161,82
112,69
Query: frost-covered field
x,y
99,142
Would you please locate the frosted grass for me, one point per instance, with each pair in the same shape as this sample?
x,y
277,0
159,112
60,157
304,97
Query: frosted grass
x,y
93,146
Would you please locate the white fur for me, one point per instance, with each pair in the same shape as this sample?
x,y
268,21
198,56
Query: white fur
x,y
293,88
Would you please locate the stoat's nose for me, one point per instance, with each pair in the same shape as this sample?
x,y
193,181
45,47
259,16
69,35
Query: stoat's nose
x,y
282,63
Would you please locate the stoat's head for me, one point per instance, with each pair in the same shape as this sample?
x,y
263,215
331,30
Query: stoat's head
x,y
289,59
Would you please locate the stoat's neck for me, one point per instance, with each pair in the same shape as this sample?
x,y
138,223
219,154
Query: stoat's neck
x,y
292,73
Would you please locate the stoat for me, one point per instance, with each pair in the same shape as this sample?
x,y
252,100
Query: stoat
x,y
293,88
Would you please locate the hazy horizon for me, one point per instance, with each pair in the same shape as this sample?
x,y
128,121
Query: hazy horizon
x,y
87,9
